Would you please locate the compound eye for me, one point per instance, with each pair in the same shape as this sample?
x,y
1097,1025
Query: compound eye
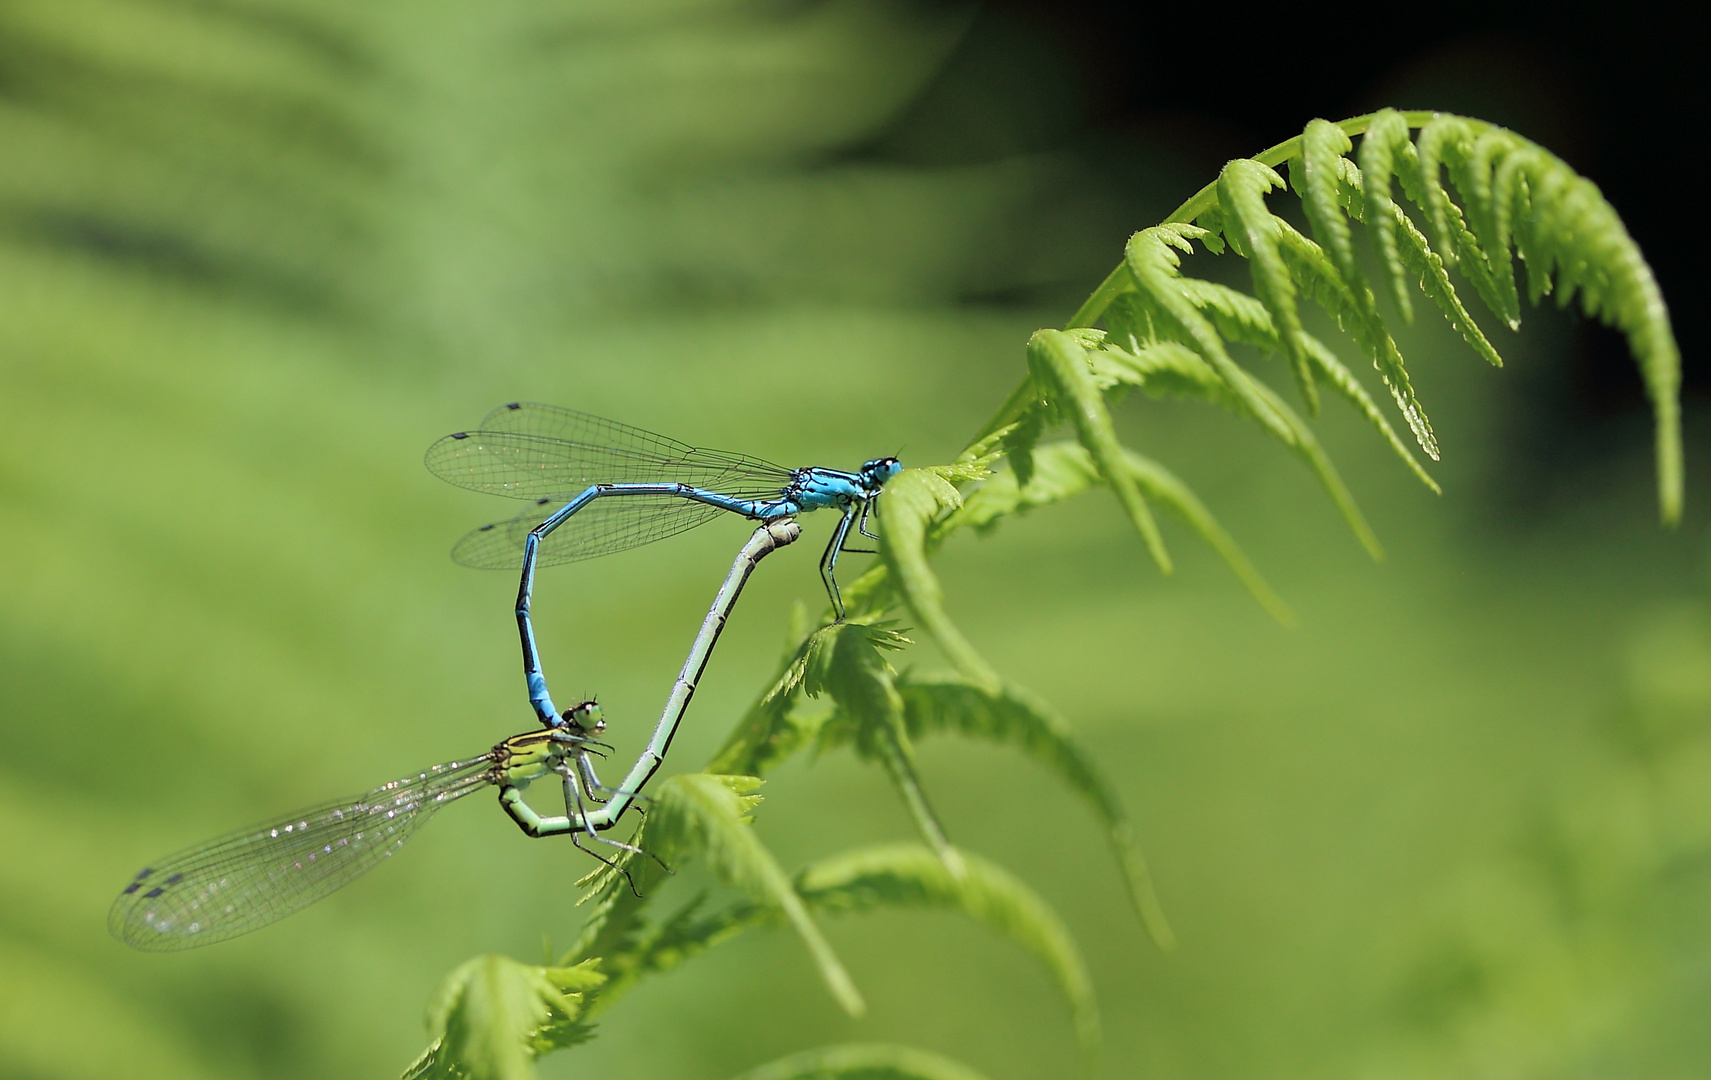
x,y
586,716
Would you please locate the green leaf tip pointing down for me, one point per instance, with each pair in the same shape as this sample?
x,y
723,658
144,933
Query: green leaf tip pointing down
x,y
1065,469
869,716
892,875
709,816
1018,718
1242,188
914,501
871,879
1056,359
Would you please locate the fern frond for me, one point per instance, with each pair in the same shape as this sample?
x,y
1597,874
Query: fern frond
x,y
1385,140
1427,266
658,947
1514,196
1153,258
894,875
771,730
1064,469
1168,334
1242,188
900,875
1349,388
1355,314
1020,719
869,716
913,502
708,816
1320,180
1166,368
491,1017
1057,360
870,879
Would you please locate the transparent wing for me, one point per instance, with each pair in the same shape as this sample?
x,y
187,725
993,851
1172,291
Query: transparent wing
x,y
247,879
526,450
602,527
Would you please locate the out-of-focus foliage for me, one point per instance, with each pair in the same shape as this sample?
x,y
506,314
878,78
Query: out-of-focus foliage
x,y
257,255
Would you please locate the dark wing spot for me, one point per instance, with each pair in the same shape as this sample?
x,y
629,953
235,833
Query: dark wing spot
x,y
485,528
173,880
513,405
542,502
152,893
144,872
132,887
460,434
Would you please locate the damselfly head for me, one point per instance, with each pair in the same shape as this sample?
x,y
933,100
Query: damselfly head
x,y
875,473
585,716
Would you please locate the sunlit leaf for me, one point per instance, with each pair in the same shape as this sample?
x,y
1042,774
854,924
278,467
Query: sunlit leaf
x,y
1318,181
1020,719
1059,360
1518,196
706,815
869,717
1358,318
913,501
908,874
772,730
1385,140
492,1016
1153,258
1242,188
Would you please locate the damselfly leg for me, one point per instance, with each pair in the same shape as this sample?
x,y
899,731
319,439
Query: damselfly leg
x,y
573,795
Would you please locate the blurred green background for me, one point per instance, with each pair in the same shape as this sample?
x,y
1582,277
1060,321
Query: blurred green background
x,y
256,256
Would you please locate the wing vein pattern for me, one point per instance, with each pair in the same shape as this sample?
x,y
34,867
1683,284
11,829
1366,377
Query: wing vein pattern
x,y
255,876
549,454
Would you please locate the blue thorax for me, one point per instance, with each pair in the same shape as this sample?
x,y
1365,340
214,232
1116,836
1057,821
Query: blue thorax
x,y
816,489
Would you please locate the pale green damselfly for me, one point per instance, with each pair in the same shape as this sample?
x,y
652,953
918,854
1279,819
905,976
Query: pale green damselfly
x,y
245,880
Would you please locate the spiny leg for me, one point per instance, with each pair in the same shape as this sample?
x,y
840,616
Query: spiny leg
x,y
573,790
591,783
861,526
866,508
574,809
829,563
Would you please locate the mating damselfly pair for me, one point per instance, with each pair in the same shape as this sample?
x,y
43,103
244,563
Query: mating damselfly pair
x,y
596,487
